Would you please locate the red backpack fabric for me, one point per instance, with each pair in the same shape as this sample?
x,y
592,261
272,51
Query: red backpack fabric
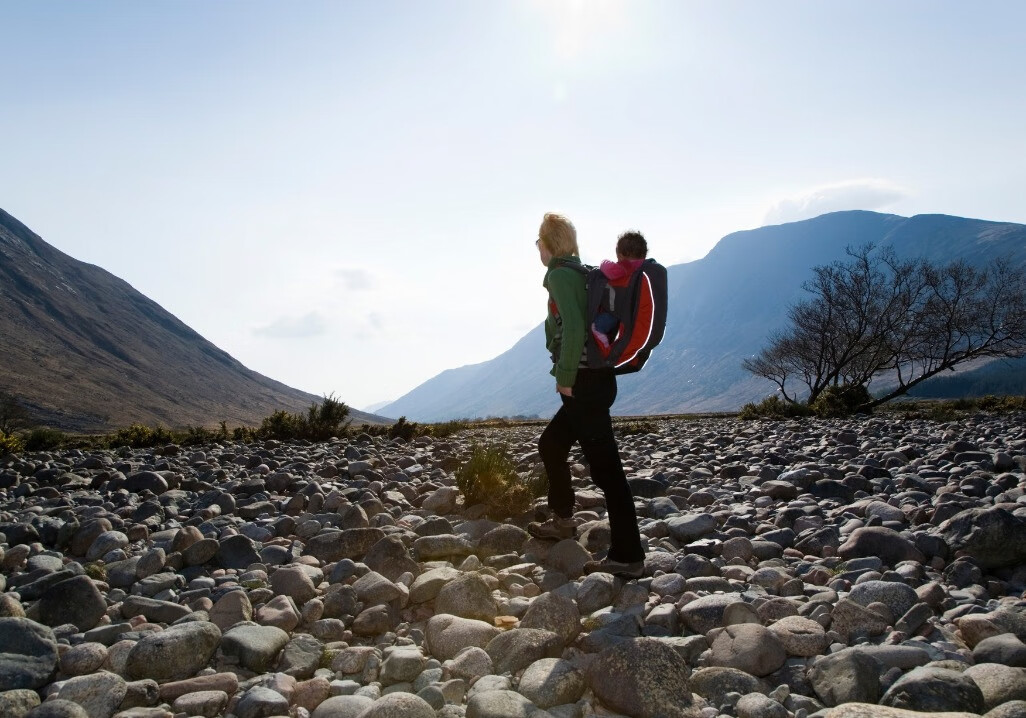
x,y
635,313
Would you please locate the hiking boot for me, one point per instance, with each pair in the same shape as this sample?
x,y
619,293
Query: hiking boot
x,y
635,569
556,528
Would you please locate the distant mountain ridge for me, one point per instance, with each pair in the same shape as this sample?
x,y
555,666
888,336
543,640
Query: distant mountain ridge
x,y
84,351
723,308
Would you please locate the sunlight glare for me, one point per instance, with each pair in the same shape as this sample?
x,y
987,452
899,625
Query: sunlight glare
x,y
580,25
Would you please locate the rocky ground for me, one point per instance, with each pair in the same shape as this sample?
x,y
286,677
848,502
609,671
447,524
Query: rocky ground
x,y
817,568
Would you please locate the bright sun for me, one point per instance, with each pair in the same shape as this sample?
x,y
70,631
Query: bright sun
x,y
579,25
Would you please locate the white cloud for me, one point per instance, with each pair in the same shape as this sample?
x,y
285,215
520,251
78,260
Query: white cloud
x,y
355,279
294,327
867,194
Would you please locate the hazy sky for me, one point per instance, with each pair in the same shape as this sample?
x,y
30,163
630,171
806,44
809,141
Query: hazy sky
x,y
345,195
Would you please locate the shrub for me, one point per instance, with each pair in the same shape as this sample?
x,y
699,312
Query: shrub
x,y
447,428
244,434
44,439
327,419
490,477
197,435
322,421
403,429
841,400
951,409
140,436
773,407
96,571
637,427
10,444
281,425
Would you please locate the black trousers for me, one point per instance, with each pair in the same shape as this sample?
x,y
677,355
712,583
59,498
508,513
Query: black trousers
x,y
584,418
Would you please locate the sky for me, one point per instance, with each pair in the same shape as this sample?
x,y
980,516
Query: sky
x,y
345,195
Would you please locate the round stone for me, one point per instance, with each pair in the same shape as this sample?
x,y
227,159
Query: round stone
x,y
551,682
28,654
643,678
176,652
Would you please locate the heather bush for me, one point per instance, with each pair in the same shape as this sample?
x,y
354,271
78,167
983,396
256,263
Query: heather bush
x,y
321,422
952,409
773,407
10,444
841,400
327,419
44,439
446,429
403,429
490,477
281,425
140,436
628,428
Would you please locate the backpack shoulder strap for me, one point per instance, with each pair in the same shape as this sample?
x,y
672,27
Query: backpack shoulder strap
x,y
584,269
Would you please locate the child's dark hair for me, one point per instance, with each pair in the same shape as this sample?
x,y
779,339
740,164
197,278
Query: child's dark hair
x,y
632,245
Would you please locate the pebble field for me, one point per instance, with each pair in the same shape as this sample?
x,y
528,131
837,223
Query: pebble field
x,y
868,567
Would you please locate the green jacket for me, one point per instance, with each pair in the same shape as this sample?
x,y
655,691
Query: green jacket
x,y
565,322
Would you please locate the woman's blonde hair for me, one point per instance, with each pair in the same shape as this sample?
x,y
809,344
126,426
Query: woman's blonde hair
x,y
558,235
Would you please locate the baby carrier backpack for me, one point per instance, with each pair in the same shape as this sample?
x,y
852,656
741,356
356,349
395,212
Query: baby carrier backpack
x,y
625,323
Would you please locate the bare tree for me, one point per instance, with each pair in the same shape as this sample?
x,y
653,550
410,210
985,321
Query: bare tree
x,y
877,317
13,415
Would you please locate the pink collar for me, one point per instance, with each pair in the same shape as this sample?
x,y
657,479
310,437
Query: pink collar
x,y
620,270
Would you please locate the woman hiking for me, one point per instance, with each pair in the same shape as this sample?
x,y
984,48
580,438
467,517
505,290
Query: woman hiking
x,y
586,395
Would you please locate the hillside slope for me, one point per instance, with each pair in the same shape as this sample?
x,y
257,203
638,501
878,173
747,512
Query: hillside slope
x,y
84,351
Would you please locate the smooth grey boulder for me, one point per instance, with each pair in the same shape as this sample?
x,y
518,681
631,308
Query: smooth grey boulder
x,y
301,656
999,684
399,705
467,596
1012,709
100,693
145,481
18,702
553,612
58,708
748,647
75,600
516,649
28,654
899,597
927,689
343,707
427,585
994,537
706,613
848,676
688,527
390,558
256,648
176,652
715,682
401,665
503,539
882,542
1004,648
551,682
499,704
238,552
259,702
447,635
644,678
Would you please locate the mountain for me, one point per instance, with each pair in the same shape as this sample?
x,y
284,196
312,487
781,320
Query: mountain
x,y
84,351
722,309
377,405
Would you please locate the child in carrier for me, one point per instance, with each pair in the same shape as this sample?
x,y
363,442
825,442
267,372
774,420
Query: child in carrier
x,y
631,251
